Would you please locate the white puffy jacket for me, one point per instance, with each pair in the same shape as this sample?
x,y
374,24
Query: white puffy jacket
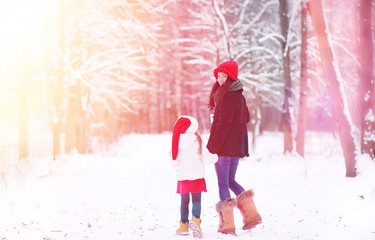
x,y
190,165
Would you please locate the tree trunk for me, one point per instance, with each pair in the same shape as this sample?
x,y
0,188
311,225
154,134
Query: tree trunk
x,y
301,128
287,121
74,128
366,76
57,103
341,120
23,112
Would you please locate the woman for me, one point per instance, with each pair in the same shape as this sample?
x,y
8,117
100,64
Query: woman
x,y
228,139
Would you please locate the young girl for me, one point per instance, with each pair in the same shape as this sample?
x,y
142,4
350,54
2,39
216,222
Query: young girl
x,y
187,158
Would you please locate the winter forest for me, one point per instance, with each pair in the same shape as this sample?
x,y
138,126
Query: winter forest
x,y
78,75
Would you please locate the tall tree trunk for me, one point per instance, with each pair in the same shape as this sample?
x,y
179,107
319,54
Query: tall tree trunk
x,y
367,81
76,124
342,120
23,111
287,120
57,103
301,128
72,126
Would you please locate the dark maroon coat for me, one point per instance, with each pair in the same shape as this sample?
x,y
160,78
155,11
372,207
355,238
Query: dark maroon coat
x,y
228,136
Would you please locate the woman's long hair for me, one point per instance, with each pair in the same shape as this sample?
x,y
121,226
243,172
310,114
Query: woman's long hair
x,y
222,90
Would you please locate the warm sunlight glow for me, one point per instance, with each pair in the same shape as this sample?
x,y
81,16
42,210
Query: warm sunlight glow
x,y
23,27
21,21
23,24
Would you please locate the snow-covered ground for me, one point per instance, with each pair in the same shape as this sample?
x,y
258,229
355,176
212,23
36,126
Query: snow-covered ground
x,y
129,193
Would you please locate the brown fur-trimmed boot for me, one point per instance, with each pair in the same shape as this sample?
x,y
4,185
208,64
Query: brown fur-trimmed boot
x,y
248,210
226,217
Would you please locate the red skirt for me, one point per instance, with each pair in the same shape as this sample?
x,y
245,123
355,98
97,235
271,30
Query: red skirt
x,y
191,186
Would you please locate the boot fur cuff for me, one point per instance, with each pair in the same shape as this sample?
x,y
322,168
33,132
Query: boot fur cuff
x,y
245,194
226,204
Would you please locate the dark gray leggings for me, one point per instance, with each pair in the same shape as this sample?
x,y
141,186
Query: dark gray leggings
x,y
196,209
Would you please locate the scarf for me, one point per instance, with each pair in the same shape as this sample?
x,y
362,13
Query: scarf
x,y
234,86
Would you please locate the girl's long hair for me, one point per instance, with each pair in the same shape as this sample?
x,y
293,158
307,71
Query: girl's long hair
x,y
199,141
222,91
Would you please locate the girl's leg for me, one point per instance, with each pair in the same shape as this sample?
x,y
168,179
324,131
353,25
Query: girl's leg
x,y
184,210
233,185
222,167
196,200
195,223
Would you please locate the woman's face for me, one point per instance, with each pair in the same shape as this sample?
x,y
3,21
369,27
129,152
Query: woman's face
x,y
221,78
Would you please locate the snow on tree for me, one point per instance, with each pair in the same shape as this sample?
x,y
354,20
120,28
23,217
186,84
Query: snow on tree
x,y
109,62
184,76
367,79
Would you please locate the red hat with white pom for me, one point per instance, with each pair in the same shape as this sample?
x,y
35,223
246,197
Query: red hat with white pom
x,y
184,124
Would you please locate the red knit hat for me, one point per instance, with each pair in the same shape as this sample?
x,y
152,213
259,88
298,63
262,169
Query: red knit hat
x,y
184,124
230,68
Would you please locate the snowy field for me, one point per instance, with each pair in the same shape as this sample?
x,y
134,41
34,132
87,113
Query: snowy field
x,y
129,193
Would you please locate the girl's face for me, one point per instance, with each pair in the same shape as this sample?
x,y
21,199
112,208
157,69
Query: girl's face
x,y
221,78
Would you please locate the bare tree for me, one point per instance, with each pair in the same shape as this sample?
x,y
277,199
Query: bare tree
x,y
301,124
367,79
287,120
23,108
225,30
342,121
57,106
190,39
109,60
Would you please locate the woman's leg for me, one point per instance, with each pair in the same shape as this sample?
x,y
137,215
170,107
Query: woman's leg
x,y
196,200
184,210
233,185
222,167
